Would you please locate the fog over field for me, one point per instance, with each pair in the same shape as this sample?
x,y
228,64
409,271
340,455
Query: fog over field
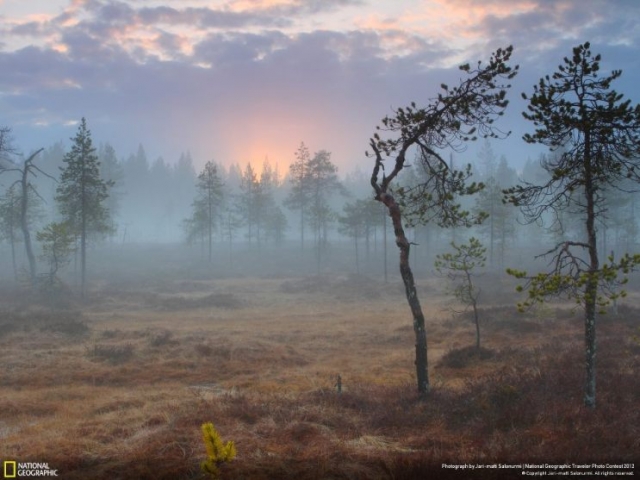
x,y
319,239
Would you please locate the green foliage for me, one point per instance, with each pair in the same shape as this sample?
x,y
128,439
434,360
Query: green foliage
x,y
458,114
597,136
572,283
466,257
459,266
58,243
81,193
435,196
217,453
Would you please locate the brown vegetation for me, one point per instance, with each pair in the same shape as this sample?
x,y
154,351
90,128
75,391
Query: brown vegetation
x,y
121,389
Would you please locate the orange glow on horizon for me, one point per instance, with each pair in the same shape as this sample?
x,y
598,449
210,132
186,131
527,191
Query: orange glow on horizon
x,y
259,154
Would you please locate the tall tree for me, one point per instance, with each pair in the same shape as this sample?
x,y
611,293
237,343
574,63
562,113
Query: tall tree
x,y
111,170
451,119
82,193
26,188
352,223
6,147
10,207
322,183
27,191
499,227
299,196
576,110
207,203
248,202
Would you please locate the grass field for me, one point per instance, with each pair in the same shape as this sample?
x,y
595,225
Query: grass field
x,y
117,386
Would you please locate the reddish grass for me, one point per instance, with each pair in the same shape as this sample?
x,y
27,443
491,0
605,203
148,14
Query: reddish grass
x,y
264,374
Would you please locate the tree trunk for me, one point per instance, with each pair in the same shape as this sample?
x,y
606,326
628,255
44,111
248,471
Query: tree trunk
x,y
421,362
591,287
384,246
210,222
13,255
474,304
355,241
24,225
83,235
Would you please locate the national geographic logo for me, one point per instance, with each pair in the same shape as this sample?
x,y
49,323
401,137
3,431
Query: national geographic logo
x,y
10,469
13,469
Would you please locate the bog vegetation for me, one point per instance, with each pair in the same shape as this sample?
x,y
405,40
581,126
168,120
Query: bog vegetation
x,y
156,298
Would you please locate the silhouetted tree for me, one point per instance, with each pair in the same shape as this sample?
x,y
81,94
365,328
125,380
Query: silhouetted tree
x,y
352,223
27,190
112,171
82,194
457,115
206,206
10,207
322,182
599,133
248,202
499,227
299,197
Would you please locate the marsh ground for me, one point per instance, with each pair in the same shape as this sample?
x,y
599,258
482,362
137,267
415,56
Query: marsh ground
x,y
117,385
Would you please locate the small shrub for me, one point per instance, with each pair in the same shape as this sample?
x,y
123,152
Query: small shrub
x,y
112,353
204,350
110,333
162,338
71,327
217,453
463,357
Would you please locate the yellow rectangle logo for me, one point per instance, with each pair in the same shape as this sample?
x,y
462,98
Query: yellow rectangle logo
x,y
10,469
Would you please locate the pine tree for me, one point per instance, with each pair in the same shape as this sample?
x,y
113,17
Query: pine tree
x,y
82,193
597,135
456,116
206,205
299,195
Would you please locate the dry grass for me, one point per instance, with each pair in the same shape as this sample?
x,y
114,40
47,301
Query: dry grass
x,y
125,398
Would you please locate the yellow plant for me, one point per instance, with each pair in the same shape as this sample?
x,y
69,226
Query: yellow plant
x,y
217,453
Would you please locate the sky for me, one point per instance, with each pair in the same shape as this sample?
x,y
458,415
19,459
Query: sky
x,y
238,81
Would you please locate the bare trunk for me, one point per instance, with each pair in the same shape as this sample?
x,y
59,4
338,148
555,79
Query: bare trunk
x,y
24,225
13,256
210,222
421,362
384,239
355,241
83,257
474,304
591,287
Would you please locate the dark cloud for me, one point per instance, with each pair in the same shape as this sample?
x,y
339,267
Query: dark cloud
x,y
324,86
32,29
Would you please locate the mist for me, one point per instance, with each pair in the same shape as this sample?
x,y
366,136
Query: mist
x,y
313,240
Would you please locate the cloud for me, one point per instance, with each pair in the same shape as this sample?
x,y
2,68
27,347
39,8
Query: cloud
x,y
232,77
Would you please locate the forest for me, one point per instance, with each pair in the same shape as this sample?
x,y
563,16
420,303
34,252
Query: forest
x,y
192,318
